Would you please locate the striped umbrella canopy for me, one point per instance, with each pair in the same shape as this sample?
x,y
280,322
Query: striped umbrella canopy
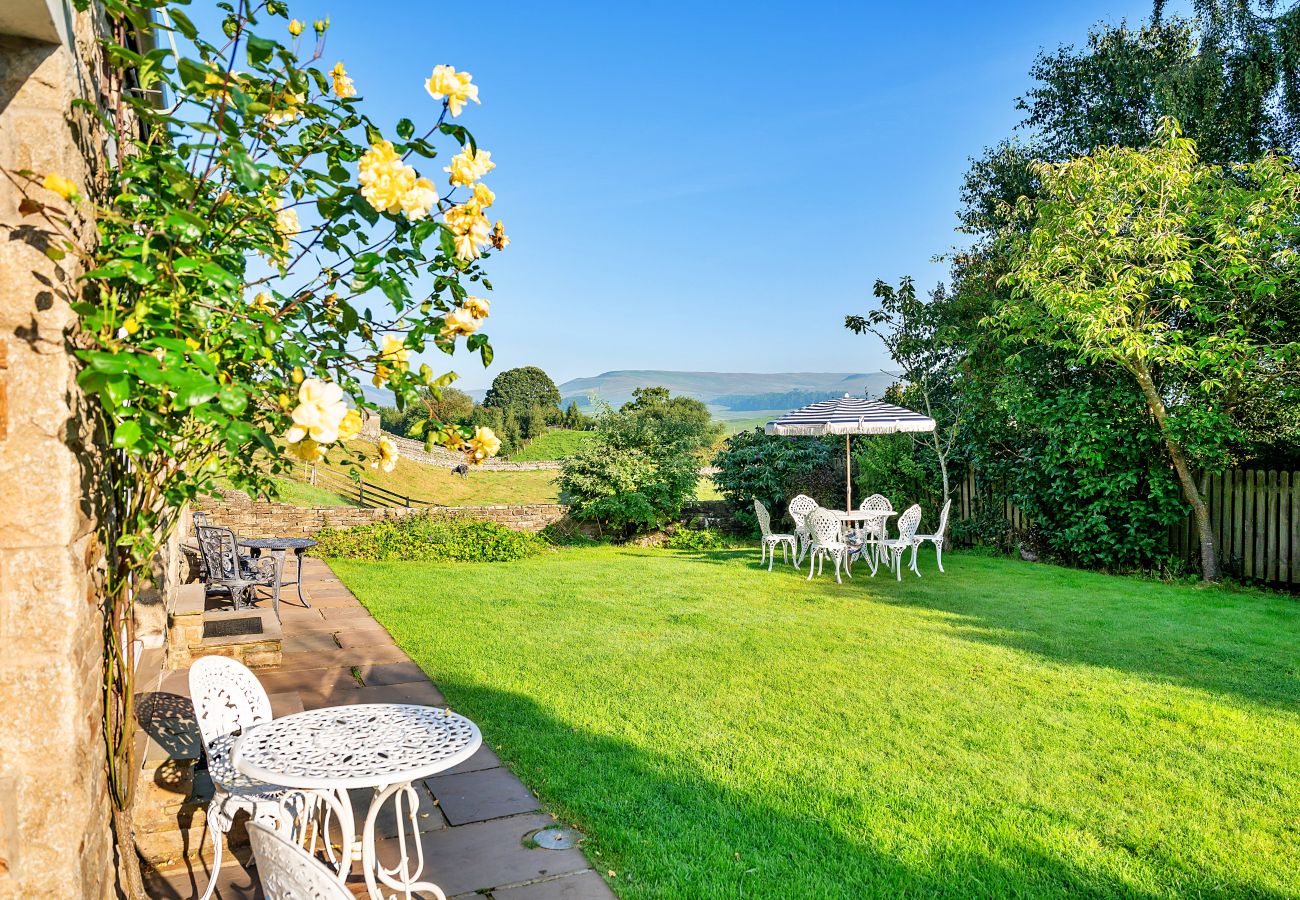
x,y
848,416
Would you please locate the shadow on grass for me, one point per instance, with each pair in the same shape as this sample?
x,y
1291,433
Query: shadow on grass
x,y
1236,643
669,830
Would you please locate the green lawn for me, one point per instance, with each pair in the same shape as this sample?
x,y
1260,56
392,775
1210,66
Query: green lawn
x,y
1007,729
557,443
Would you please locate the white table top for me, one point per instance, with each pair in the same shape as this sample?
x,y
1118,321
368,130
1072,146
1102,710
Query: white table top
x,y
366,745
863,514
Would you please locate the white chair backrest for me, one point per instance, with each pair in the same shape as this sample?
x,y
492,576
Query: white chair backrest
x,y
799,509
943,518
908,521
764,520
288,872
227,697
877,501
825,527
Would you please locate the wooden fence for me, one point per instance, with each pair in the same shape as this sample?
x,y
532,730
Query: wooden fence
x,y
1255,515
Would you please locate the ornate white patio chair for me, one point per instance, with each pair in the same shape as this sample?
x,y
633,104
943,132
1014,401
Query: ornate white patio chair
x,y
799,508
891,549
288,872
873,532
827,540
770,540
228,699
936,538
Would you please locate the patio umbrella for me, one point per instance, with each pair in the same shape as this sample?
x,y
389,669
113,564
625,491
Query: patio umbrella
x,y
849,416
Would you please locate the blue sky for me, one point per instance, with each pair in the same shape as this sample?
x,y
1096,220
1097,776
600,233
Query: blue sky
x,y
709,186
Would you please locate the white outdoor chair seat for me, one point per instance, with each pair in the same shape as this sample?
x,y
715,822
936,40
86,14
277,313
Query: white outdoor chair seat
x,y
828,541
891,549
772,540
228,699
238,785
937,539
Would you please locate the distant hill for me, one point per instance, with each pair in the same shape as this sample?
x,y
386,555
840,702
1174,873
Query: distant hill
x,y
748,390
723,391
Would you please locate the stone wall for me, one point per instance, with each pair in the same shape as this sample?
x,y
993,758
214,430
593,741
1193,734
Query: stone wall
x,y
262,519
54,807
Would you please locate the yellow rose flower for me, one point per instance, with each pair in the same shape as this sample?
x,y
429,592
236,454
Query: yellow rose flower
x,y
395,351
483,195
419,201
469,166
262,303
350,427
289,111
286,223
498,238
319,412
60,185
307,450
471,229
390,185
343,86
476,307
457,87
459,322
483,445
387,456
295,27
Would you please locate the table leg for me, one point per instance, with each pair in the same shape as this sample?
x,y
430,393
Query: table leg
x,y
403,875
279,580
337,804
298,554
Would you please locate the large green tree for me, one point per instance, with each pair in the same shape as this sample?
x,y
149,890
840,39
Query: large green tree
x,y
523,388
1178,273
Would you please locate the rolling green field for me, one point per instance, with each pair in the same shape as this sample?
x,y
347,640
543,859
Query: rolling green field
x,y
1005,730
554,444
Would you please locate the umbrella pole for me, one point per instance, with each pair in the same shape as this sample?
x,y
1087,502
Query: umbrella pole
x,y
848,477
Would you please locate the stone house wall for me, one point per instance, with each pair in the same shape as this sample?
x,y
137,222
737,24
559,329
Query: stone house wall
x,y
54,808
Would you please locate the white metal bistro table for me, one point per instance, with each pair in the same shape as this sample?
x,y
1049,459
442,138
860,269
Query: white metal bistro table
x,y
865,517
383,746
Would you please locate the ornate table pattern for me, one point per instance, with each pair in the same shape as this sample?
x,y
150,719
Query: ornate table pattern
x,y
382,746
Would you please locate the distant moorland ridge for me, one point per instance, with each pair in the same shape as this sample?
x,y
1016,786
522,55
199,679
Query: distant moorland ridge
x,y
729,390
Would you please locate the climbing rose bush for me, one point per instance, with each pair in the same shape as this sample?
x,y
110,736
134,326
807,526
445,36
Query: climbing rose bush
x,y
263,248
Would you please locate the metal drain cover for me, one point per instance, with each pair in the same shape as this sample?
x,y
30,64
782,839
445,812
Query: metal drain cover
x,y
233,627
560,838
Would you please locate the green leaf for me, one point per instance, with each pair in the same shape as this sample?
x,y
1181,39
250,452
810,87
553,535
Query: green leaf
x,y
405,129
231,399
246,171
259,49
187,226
126,434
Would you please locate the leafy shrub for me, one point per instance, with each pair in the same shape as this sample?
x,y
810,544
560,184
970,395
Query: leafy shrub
x,y
640,466
774,469
425,538
695,539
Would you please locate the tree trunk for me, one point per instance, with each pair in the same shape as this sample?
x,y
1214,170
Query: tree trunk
x,y
130,881
1205,533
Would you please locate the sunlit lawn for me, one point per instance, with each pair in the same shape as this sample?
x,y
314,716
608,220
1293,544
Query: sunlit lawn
x,y
1008,729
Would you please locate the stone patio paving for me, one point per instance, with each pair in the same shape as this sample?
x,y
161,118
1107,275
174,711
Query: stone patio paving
x,y
475,816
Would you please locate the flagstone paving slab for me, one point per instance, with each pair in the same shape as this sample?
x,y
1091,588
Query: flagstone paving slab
x,y
583,886
482,795
487,855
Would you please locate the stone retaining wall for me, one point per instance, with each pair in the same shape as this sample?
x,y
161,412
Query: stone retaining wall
x,y
261,519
